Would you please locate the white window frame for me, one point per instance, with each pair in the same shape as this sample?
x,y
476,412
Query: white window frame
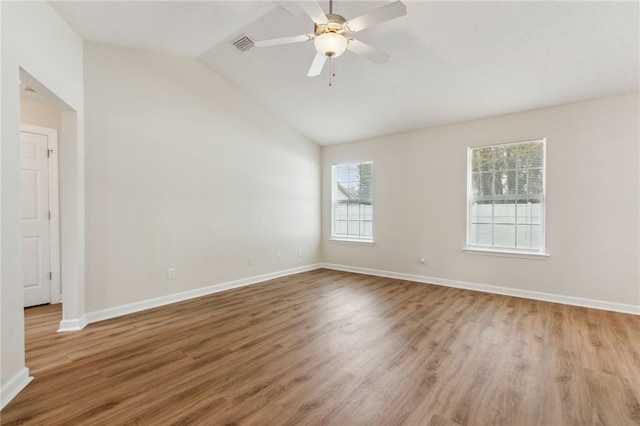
x,y
334,201
500,250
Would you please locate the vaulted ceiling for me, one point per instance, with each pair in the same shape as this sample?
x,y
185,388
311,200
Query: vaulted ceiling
x,y
450,61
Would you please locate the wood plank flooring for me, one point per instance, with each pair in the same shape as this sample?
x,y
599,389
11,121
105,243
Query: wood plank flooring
x,y
335,348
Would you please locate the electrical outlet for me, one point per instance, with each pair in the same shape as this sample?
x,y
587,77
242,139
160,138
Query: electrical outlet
x,y
171,273
279,256
252,260
423,260
299,252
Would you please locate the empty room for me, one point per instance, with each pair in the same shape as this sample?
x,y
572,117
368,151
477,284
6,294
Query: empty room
x,y
333,212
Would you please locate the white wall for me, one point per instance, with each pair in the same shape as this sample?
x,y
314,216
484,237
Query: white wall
x,y
39,48
39,113
185,171
592,160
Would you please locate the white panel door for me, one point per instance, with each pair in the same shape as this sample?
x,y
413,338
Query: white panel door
x,y
35,218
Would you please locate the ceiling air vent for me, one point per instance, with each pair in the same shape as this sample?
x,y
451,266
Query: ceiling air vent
x,y
243,43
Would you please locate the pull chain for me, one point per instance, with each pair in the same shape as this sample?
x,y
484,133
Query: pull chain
x,y
332,72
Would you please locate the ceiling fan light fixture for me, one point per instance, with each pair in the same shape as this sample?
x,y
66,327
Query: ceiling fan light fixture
x,y
331,44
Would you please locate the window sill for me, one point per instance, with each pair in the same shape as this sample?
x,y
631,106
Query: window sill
x,y
357,242
505,253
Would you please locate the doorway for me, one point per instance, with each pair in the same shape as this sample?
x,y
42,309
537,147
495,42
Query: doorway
x,y
40,226
49,110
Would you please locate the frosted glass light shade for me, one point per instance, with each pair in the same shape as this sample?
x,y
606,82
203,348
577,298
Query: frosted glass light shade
x,y
330,44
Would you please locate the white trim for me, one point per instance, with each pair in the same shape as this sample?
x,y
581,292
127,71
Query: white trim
x,y
14,386
104,314
54,223
505,291
348,241
73,324
506,253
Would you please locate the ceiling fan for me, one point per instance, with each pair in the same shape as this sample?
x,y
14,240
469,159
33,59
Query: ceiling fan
x,y
331,33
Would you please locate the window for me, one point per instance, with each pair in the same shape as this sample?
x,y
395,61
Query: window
x,y
352,201
505,192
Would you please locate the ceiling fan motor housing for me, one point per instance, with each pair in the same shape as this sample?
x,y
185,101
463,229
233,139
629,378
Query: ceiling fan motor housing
x,y
335,24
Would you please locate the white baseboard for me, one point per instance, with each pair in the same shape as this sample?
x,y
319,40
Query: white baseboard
x,y
506,291
130,308
73,324
104,314
15,384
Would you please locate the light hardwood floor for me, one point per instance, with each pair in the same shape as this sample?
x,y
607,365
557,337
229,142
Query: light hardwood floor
x,y
328,347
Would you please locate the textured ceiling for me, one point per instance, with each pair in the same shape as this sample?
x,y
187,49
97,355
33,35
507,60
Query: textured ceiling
x,y
450,61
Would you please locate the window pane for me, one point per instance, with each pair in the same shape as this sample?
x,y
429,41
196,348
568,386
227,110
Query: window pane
x,y
529,212
354,211
536,212
482,184
481,160
367,212
366,229
504,236
352,190
366,187
498,158
523,182
530,155
504,182
504,212
354,175
523,213
534,186
353,228
342,173
497,184
480,235
509,182
528,236
504,157
482,213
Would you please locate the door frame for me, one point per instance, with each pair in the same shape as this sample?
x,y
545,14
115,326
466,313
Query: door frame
x,y
54,207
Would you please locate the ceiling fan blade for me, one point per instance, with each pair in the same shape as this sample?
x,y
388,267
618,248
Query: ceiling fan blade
x,y
314,11
283,40
367,51
317,65
385,13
